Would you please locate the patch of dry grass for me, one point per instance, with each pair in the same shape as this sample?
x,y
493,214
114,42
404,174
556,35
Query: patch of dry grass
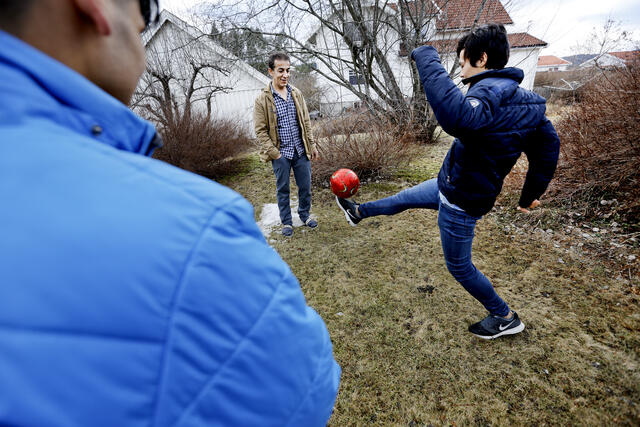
x,y
398,319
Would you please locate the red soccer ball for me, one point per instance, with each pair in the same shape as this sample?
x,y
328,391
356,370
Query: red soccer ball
x,y
344,183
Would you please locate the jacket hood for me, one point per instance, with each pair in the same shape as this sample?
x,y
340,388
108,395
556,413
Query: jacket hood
x,y
506,73
68,98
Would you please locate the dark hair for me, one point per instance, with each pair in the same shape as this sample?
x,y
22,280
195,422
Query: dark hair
x,y
12,12
490,39
277,56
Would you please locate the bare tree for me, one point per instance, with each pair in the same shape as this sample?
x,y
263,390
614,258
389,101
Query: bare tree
x,y
185,70
182,72
594,49
611,36
363,46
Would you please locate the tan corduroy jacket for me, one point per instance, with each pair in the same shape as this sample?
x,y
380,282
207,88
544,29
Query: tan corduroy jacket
x,y
266,124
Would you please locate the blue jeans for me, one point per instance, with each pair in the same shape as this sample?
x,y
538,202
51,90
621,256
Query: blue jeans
x,y
302,173
456,235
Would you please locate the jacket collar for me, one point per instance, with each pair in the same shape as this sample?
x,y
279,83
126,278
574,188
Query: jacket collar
x,y
274,92
41,85
506,73
269,88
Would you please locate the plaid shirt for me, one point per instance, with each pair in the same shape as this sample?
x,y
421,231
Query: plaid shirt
x,y
288,128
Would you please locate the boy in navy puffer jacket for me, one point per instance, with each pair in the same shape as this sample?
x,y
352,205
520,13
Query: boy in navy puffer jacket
x,y
494,123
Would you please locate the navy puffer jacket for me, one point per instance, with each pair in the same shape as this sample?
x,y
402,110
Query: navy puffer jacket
x,y
494,123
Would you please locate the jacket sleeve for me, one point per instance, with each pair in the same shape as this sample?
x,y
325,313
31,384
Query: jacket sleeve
x,y
244,349
261,127
542,149
455,112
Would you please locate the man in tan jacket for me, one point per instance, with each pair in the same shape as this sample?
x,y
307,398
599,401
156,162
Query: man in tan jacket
x,y
281,121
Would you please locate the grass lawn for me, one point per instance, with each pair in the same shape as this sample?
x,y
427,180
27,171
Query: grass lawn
x,y
398,320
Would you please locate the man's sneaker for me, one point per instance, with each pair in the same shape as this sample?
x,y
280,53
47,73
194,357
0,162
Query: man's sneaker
x,y
311,223
287,230
350,210
495,326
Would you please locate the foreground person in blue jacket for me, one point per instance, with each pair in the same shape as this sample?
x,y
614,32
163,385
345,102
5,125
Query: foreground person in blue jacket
x,y
132,293
493,124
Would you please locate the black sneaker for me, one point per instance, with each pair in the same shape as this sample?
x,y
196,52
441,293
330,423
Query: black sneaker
x,y
287,230
495,326
349,208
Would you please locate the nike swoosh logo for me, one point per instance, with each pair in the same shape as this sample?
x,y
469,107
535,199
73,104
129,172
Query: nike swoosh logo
x,y
505,326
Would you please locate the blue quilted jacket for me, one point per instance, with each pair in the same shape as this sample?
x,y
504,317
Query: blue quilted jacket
x,y
493,124
133,293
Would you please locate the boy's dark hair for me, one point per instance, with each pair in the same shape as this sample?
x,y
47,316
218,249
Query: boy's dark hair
x,y
277,56
490,39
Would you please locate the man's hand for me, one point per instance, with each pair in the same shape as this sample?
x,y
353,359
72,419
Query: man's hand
x,y
533,205
315,155
279,155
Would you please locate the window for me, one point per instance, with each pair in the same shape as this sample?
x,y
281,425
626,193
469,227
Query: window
x,y
352,33
355,78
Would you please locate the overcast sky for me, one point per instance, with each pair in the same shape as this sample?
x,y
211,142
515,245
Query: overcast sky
x,y
560,23
563,23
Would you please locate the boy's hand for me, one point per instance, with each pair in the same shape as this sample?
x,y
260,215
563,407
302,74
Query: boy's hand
x,y
533,205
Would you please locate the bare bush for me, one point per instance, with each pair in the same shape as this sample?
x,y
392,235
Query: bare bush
x,y
600,147
206,147
370,147
564,86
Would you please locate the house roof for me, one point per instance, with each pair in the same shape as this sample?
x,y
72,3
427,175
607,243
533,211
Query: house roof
x,y
516,40
547,60
525,40
627,56
460,14
579,59
417,7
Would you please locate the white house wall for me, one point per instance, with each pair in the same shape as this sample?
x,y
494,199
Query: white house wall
x,y
174,48
333,96
336,98
553,67
527,60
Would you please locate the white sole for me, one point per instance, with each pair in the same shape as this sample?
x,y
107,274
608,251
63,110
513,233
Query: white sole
x,y
346,214
511,331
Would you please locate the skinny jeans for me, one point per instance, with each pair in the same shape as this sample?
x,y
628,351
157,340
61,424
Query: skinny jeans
x,y
456,235
302,172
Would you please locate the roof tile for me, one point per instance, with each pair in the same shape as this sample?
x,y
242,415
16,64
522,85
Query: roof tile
x,y
546,60
460,14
